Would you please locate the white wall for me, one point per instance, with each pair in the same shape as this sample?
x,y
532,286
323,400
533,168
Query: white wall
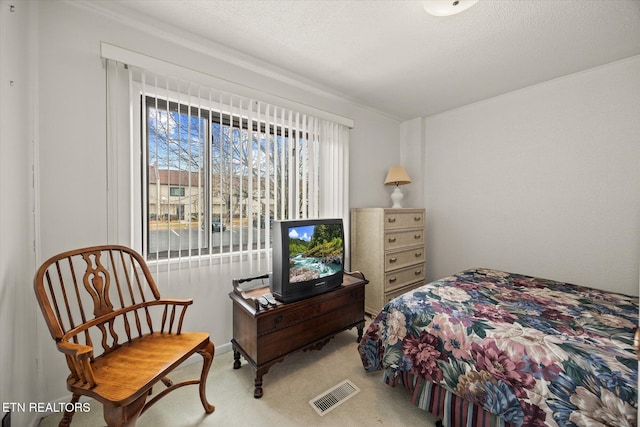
x,y
72,174
411,157
18,373
374,149
543,181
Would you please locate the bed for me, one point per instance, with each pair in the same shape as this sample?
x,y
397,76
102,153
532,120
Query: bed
x,y
491,348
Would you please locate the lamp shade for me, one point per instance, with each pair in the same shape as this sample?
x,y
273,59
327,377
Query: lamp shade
x,y
397,175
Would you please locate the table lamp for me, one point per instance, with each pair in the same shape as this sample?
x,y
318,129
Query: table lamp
x,y
397,176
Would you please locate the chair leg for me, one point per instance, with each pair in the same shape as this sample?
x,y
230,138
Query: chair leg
x,y
68,415
207,354
124,416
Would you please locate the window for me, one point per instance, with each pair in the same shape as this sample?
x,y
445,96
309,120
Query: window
x,y
216,180
197,174
176,191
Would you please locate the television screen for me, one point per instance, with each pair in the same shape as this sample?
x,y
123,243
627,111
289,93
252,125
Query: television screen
x,y
315,251
307,258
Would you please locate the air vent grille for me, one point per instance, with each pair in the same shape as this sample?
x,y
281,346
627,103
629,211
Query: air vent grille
x,y
334,397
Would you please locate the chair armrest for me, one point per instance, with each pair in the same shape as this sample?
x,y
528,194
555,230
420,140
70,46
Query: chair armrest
x,y
78,351
175,301
78,359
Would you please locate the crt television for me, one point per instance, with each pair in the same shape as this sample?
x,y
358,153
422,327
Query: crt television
x,y
307,258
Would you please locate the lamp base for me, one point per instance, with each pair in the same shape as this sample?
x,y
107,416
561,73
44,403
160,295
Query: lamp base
x,y
396,197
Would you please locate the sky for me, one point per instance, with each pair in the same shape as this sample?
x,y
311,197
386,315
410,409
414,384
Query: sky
x,y
303,232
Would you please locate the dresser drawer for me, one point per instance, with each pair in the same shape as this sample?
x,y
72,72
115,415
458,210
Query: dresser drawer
x,y
296,336
397,292
404,219
295,313
282,319
400,278
403,258
402,238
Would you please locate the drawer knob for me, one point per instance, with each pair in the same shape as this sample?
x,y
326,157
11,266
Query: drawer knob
x,y
392,260
391,220
417,272
392,279
418,254
417,236
392,239
417,218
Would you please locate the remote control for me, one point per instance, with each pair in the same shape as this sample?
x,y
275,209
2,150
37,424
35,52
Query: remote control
x,y
263,302
269,299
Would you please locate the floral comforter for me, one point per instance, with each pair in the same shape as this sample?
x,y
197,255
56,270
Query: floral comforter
x,y
532,351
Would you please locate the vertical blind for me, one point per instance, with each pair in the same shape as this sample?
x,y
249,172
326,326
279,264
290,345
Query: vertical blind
x,y
210,170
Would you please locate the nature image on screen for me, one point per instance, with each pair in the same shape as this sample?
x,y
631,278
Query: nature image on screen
x,y
315,251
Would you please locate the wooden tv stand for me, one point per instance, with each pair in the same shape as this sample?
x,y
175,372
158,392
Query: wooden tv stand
x,y
265,336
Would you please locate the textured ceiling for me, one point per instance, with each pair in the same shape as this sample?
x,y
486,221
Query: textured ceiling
x,y
393,57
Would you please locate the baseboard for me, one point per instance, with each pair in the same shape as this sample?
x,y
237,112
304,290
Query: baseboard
x,y
224,348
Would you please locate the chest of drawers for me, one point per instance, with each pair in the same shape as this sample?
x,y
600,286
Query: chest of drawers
x,y
388,246
266,336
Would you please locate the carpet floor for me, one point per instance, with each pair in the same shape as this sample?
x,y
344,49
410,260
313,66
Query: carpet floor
x,y
288,387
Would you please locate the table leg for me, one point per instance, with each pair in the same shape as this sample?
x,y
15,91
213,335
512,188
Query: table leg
x,y
236,359
360,328
257,392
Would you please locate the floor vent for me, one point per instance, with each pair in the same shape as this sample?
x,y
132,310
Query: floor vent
x,y
334,397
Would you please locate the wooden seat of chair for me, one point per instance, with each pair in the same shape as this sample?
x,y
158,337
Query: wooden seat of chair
x,y
120,376
104,312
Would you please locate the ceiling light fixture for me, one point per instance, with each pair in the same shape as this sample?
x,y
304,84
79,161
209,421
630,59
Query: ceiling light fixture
x,y
447,7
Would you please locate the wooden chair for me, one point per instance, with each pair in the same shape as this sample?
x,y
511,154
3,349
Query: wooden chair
x,y
119,337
